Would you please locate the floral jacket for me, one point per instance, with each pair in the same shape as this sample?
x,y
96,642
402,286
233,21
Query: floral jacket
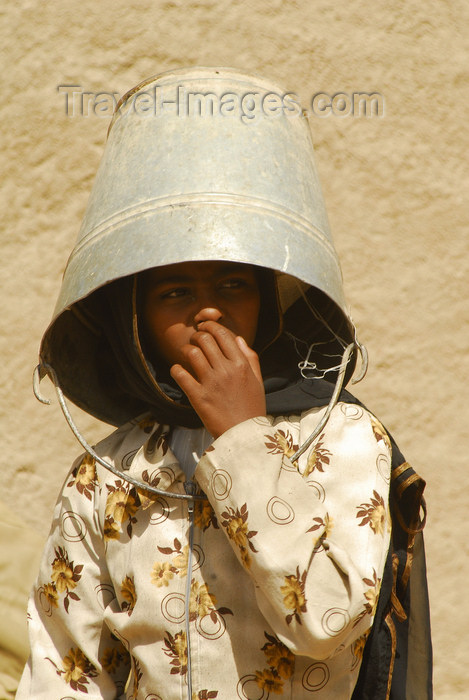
x,y
265,588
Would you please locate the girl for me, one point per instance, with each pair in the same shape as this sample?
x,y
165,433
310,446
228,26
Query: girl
x,y
249,529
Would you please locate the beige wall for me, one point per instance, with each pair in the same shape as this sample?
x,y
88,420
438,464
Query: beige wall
x,y
396,189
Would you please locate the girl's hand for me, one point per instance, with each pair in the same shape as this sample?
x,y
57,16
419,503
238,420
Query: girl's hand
x,y
224,384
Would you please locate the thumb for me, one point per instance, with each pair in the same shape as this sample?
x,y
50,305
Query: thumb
x,y
251,356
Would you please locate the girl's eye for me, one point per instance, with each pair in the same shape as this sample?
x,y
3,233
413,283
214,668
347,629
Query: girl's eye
x,y
235,283
175,293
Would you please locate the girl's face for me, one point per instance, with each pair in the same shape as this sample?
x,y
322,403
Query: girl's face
x,y
178,297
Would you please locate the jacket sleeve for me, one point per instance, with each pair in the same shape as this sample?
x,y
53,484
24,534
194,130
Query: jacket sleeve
x,y
312,534
73,653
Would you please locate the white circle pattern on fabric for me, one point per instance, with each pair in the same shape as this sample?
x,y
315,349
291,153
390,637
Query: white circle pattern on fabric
x,y
209,629
127,459
162,476
105,594
279,511
383,465
173,608
161,513
72,527
334,621
199,557
248,689
221,484
316,677
262,420
351,411
287,465
45,602
318,488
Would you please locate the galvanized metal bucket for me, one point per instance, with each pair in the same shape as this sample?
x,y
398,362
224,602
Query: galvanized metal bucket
x,y
200,164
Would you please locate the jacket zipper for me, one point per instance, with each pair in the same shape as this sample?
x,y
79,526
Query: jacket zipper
x,y
189,487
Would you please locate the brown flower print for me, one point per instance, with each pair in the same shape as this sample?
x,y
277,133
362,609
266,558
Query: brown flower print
x,y
325,524
373,514
294,595
112,530
179,563
204,515
84,476
128,593
235,522
279,657
379,432
358,647
137,674
281,443
176,649
51,595
65,576
121,505
147,498
371,596
205,694
77,670
202,603
162,573
318,457
112,659
156,442
270,681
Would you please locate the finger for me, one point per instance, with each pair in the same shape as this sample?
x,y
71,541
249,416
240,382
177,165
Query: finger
x,y
194,361
209,346
185,380
251,356
225,338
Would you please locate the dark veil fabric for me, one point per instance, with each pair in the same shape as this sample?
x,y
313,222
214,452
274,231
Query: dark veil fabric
x,y
126,373
398,660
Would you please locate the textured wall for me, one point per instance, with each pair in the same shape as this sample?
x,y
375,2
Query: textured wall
x,y
394,186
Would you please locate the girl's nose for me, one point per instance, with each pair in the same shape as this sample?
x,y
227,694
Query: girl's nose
x,y
208,313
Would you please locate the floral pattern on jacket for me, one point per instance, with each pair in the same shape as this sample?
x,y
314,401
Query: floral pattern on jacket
x,y
282,580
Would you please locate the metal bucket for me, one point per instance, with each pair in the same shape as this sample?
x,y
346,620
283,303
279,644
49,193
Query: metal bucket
x,y
200,164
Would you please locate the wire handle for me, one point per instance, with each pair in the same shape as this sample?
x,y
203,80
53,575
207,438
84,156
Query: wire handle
x,y
43,370
334,398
